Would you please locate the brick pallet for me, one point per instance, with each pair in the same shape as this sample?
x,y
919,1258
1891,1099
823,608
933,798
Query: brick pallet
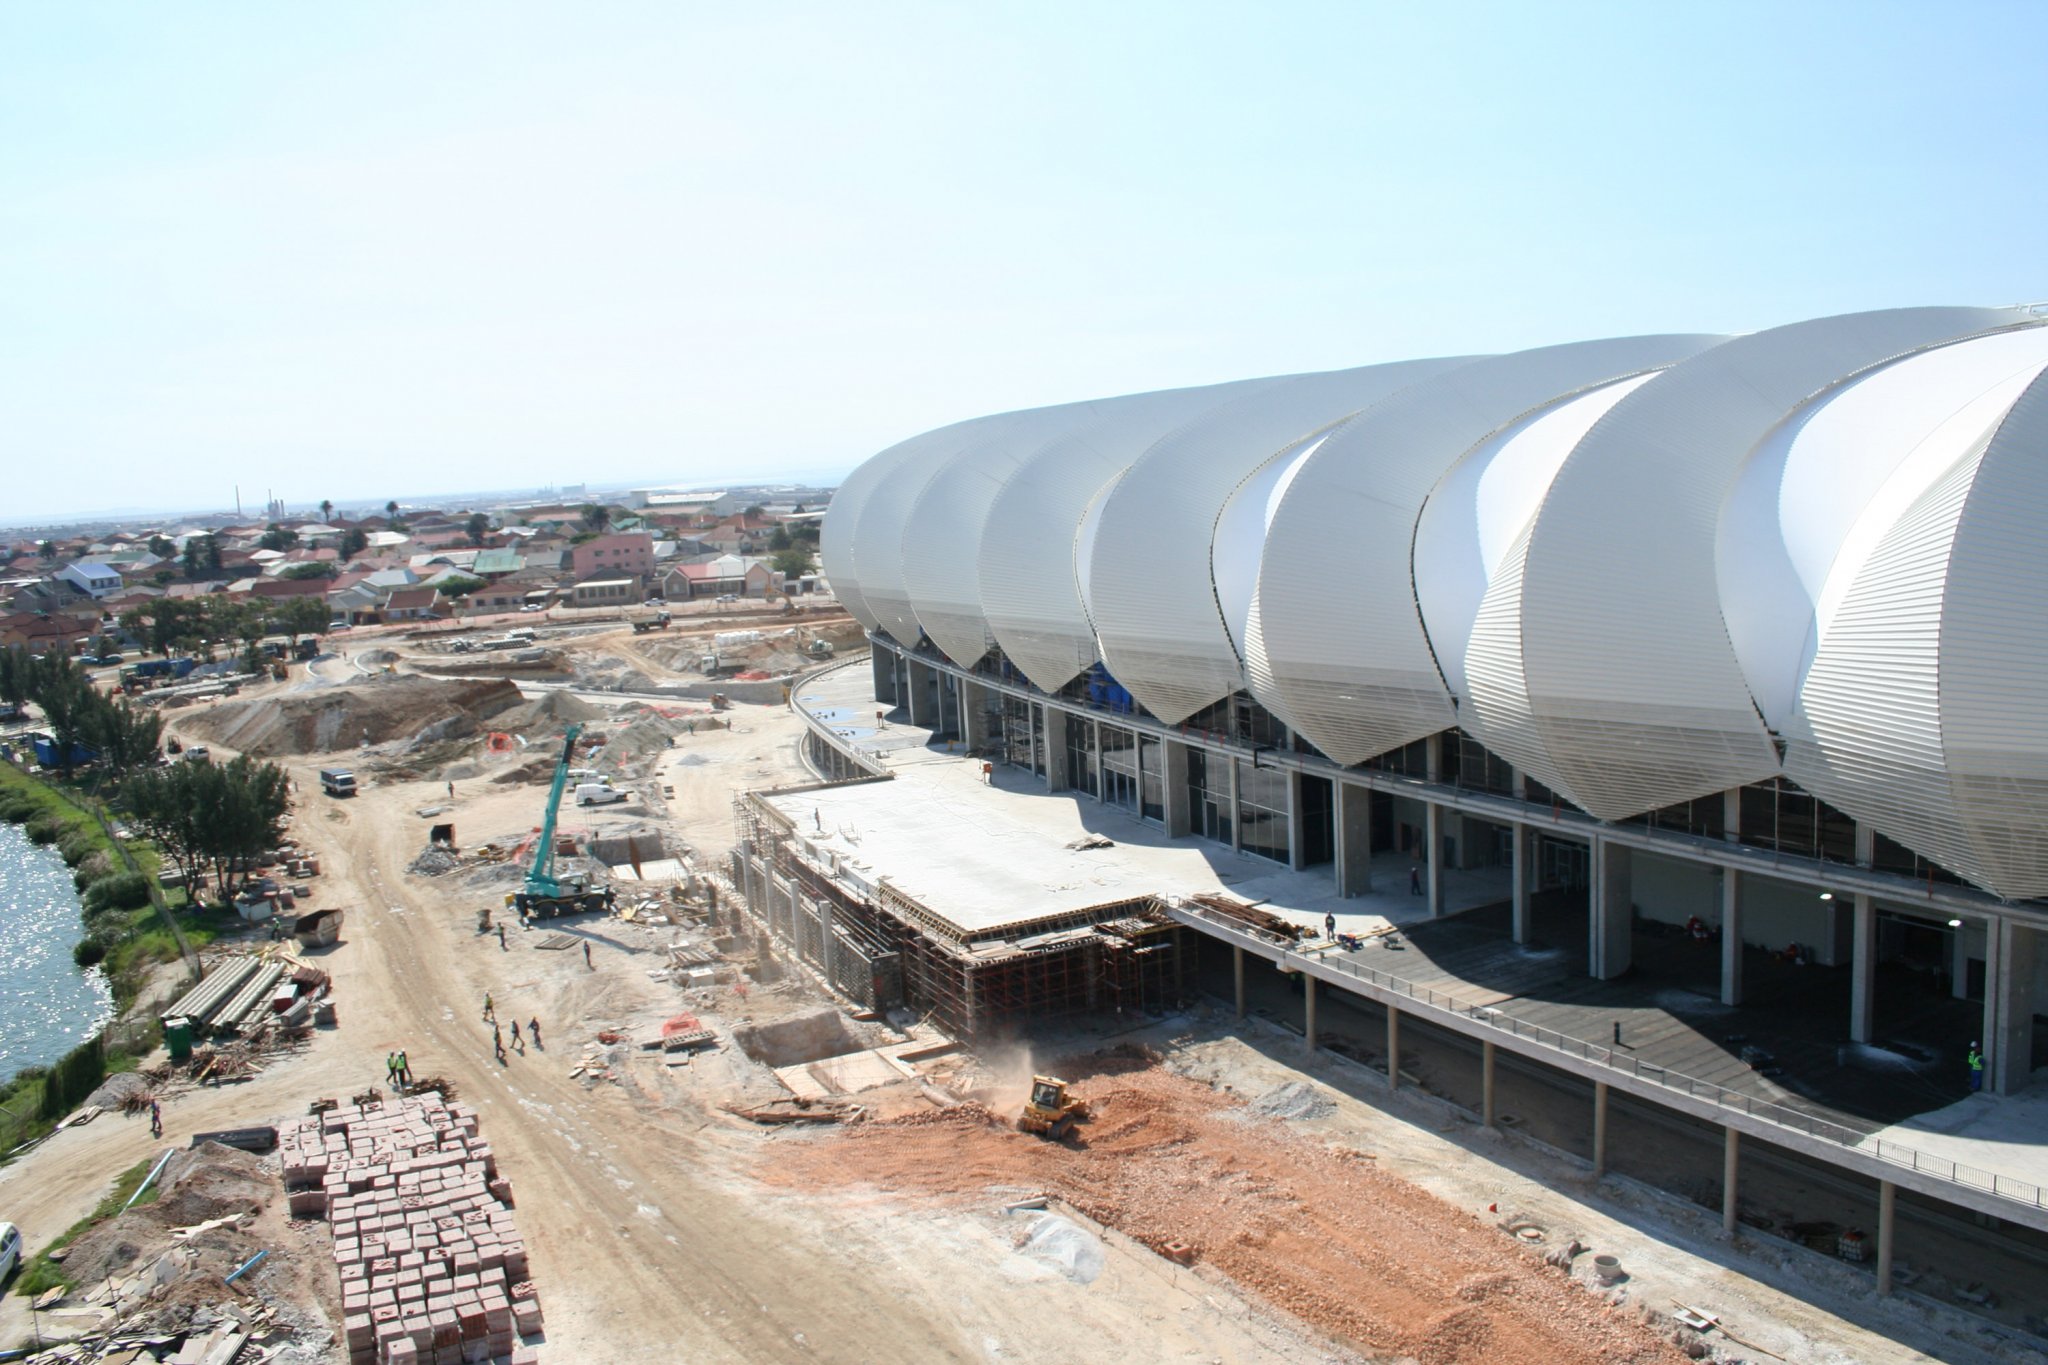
x,y
433,1270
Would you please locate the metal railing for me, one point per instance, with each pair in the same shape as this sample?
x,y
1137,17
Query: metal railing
x,y
1783,1116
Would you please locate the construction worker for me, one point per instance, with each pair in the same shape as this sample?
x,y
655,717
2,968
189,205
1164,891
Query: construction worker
x,y
501,939
515,1036
1976,1060
156,1118
404,1068
1330,926
489,1011
391,1068
586,955
533,1027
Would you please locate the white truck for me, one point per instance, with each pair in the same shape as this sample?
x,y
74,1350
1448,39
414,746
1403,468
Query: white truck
x,y
599,794
337,782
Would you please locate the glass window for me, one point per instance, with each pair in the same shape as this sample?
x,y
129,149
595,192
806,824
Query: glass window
x,y
1081,774
1262,807
1119,767
1209,802
1151,779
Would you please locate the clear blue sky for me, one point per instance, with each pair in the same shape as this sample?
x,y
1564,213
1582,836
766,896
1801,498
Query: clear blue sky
x,y
358,250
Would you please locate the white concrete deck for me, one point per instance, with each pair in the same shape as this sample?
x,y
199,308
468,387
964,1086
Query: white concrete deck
x,y
1991,1133
985,855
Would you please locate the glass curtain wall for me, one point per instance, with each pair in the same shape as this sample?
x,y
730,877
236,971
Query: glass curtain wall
x,y
1151,780
1119,767
1209,796
1262,812
1082,775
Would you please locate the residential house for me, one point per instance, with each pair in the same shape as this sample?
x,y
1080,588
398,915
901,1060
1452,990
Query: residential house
x,y
91,577
606,590
491,565
734,574
47,632
628,554
412,604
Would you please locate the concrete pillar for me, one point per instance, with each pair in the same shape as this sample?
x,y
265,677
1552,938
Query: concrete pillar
x,y
924,698
1994,963
1731,815
1236,817
1518,862
1055,750
1887,1230
883,663
1353,817
1297,837
1862,969
1173,787
1731,936
1959,962
1433,764
1308,1025
1599,1129
1612,911
2012,1041
1731,1161
974,704
826,947
1486,1081
1237,972
1433,856
1393,1049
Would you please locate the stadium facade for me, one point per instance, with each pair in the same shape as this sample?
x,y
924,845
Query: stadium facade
x,y
1744,630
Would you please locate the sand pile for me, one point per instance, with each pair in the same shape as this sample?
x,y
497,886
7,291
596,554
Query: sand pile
x,y
375,711
208,1182
1316,1231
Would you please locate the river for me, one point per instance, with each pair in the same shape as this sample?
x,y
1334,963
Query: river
x,y
47,1004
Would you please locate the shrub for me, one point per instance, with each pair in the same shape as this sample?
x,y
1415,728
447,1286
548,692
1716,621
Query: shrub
x,y
18,807
89,952
46,829
118,891
92,869
78,843
74,1077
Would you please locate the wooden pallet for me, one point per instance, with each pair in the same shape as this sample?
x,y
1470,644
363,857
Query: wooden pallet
x,y
558,941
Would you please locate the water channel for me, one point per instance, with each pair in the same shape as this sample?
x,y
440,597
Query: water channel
x,y
48,1004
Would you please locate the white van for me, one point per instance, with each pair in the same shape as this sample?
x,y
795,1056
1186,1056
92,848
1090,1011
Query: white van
x,y
598,794
10,1250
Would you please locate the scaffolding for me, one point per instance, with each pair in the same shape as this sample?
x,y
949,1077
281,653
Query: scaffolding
x,y
883,949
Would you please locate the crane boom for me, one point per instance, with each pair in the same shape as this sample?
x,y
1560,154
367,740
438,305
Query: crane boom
x,y
540,878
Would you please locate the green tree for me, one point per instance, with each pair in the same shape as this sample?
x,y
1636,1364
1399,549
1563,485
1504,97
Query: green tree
x,y
754,511
301,572
125,737
391,510
326,512
477,527
47,549
17,674
353,542
779,539
202,556
162,547
792,563
279,537
460,585
298,616
66,696
596,516
210,817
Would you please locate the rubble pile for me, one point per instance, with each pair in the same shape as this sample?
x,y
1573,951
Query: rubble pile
x,y
432,1265
374,711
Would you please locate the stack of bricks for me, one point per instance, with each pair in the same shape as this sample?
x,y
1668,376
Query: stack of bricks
x,y
433,1270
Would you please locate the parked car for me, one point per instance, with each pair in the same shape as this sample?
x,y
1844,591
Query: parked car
x,y
335,625
729,597
534,606
10,1250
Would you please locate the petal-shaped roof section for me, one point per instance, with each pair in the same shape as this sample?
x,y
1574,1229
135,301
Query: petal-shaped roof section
x,y
837,541
1353,670
948,526
1925,710
1628,669
1152,596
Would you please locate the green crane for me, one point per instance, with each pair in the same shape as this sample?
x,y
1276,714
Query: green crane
x,y
546,893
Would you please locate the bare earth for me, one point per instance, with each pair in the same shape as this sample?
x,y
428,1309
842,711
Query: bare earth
x,y
661,1228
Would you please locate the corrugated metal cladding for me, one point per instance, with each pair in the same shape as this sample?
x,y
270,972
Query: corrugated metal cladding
x,y
1634,568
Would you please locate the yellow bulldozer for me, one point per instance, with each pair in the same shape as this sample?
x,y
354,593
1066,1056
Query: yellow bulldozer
x,y
1050,1111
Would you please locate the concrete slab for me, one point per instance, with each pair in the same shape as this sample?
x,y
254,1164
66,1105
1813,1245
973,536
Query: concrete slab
x,y
1992,1133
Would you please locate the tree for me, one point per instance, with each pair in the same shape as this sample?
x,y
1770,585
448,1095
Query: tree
x,y
125,737
47,549
210,816
17,674
477,527
162,547
779,539
353,542
391,510
66,696
326,511
300,572
792,563
297,616
460,585
596,516
202,555
754,511
279,537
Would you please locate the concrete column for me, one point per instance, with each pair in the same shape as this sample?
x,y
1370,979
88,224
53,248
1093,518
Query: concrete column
x,y
1237,972
1433,856
825,944
1959,962
1994,963
749,884
1433,762
883,663
1353,816
1297,838
2012,1041
924,697
1611,917
1731,1161
974,701
1236,821
1599,1129
1519,870
1731,815
1055,749
1173,786
1731,936
1862,970
1887,1230
1486,1081
1308,1026
1393,1049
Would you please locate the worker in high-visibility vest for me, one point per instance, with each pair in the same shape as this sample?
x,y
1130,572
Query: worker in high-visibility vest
x,y
1976,1060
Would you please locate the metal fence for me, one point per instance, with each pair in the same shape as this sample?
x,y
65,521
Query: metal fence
x,y
1768,1111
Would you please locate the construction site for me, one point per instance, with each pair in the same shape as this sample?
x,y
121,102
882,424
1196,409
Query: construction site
x,y
809,994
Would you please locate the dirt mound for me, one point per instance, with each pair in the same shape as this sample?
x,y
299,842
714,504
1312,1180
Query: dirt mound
x,y
375,711
1314,1230
210,1181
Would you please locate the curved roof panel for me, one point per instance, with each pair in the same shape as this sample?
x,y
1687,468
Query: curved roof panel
x,y
1353,670
1153,599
